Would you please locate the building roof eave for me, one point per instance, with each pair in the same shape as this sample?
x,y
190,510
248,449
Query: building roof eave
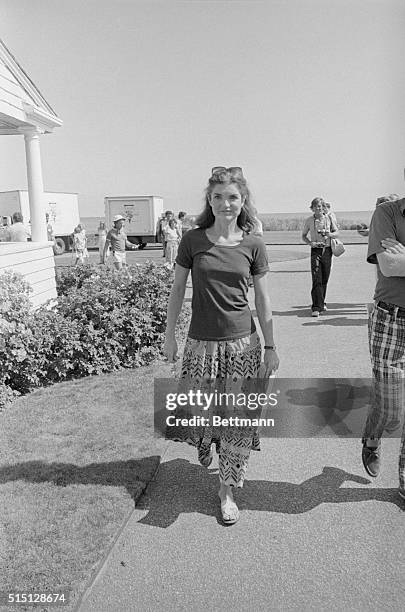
x,y
41,118
8,59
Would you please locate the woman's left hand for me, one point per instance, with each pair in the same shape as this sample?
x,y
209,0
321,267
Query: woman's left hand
x,y
271,362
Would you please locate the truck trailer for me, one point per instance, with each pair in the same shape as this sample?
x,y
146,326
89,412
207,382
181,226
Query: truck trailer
x,y
60,209
141,216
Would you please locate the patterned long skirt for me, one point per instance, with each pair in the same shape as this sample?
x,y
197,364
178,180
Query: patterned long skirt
x,y
216,368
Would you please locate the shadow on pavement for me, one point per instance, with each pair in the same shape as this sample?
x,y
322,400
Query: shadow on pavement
x,y
341,313
338,322
133,474
329,407
183,488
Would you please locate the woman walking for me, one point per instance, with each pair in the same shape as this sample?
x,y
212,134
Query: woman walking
x,y
321,228
172,235
223,349
80,244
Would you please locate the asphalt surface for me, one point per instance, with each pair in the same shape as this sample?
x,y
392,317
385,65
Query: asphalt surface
x,y
315,533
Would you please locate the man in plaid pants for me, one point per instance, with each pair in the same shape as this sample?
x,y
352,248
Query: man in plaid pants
x,y
386,329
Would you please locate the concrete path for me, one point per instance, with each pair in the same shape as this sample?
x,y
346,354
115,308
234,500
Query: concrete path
x,y
314,533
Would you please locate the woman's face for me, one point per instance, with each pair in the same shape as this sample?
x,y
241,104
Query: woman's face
x,y
317,209
226,201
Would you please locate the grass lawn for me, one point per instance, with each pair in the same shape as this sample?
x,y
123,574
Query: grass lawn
x,y
73,458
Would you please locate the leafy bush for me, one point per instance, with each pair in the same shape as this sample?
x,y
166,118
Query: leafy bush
x,y
73,277
102,321
17,343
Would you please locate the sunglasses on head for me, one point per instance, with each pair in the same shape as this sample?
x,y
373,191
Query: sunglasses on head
x,y
234,170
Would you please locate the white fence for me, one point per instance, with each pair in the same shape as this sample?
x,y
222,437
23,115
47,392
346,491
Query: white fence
x,y
35,261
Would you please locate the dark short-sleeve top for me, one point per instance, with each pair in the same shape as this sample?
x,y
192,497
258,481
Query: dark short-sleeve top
x,y
388,221
220,274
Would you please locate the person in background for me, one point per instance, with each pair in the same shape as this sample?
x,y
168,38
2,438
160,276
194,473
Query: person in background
x,y
159,230
362,228
102,237
321,228
172,237
162,223
193,222
5,224
118,240
328,211
49,229
182,224
18,232
223,348
80,244
386,335
389,198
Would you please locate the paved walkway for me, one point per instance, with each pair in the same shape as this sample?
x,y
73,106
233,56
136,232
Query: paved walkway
x,y
314,533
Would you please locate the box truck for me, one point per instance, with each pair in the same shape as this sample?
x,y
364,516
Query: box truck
x,y
61,210
141,216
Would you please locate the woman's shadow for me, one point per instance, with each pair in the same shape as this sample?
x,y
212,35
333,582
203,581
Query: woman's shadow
x,y
184,487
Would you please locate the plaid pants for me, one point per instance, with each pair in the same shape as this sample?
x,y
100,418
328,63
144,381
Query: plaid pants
x,y
386,334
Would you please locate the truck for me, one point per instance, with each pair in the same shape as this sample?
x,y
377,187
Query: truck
x,y
141,216
61,210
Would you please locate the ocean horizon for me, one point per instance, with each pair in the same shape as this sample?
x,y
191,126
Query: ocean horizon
x,y
91,223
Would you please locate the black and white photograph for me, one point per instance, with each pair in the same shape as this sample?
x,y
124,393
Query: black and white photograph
x,y
202,305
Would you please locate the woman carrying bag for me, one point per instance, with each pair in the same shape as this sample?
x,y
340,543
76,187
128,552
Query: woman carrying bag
x,y
321,229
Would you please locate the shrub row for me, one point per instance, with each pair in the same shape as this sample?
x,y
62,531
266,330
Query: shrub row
x,y
101,321
297,223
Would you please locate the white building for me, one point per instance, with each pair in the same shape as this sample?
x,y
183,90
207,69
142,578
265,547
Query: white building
x,y
25,113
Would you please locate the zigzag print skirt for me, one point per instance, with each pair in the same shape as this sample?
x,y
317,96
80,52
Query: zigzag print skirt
x,y
222,367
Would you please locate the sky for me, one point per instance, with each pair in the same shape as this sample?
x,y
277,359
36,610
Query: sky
x,y
307,96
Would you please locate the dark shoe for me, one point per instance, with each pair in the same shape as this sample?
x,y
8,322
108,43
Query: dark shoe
x,y
325,308
371,459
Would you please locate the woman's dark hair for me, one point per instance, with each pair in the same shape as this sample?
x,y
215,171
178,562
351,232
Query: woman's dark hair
x,y
246,217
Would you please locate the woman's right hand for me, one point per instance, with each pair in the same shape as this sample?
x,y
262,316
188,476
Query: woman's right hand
x,y
170,349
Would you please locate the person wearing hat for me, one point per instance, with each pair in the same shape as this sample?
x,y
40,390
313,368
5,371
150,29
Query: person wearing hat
x,y
118,240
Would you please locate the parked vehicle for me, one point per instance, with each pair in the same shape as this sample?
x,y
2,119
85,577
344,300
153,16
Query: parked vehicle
x,y
141,214
60,209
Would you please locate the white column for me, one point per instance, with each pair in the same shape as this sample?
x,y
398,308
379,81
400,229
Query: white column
x,y
35,184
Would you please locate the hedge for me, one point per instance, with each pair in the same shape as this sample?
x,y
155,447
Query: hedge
x,y
102,320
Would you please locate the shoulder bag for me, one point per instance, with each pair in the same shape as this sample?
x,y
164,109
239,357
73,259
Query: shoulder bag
x,y
337,246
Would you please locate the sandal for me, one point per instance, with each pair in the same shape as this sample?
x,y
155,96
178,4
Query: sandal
x,y
230,514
